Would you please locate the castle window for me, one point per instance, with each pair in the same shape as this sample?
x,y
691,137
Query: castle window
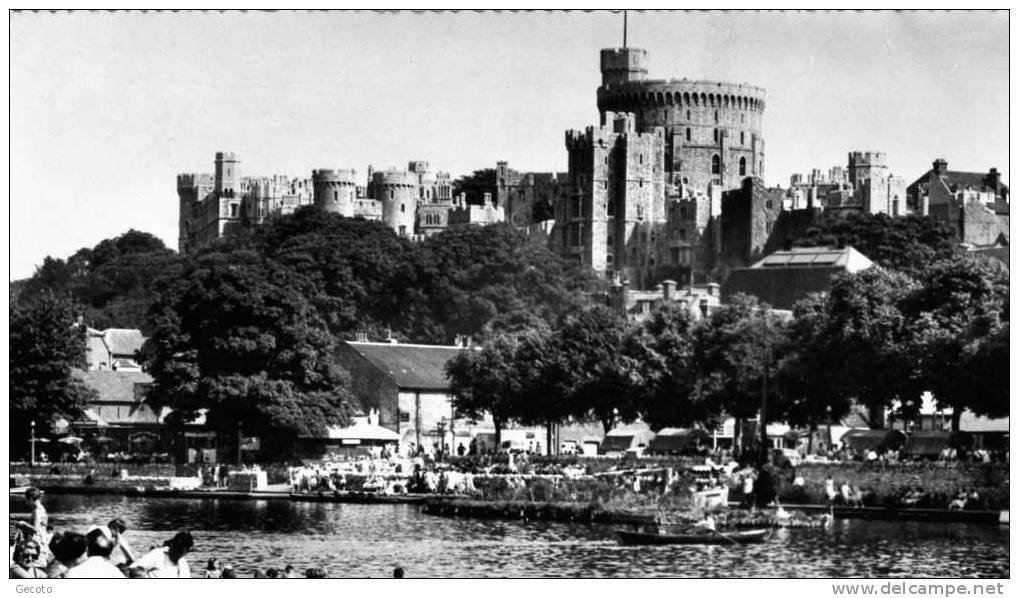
x,y
609,258
686,181
688,118
611,208
640,158
715,132
682,234
716,164
403,231
688,133
742,166
716,116
233,210
390,194
403,208
742,137
336,196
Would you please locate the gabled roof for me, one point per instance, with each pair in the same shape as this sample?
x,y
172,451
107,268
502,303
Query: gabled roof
x,y
114,386
785,277
957,179
803,257
120,341
420,367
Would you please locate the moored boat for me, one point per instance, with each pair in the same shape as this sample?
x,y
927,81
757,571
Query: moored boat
x,y
720,538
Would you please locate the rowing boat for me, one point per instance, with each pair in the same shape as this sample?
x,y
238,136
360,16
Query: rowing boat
x,y
742,537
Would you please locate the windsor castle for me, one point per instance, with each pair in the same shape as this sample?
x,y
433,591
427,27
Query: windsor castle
x,y
667,185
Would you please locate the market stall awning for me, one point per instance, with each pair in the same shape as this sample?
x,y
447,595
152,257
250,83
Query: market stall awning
x,y
927,443
876,440
362,431
617,443
675,439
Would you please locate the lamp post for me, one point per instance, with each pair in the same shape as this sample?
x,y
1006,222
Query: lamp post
x,y
441,427
32,462
240,442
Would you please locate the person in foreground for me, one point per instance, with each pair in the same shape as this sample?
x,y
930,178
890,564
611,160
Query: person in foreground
x,y
100,545
166,562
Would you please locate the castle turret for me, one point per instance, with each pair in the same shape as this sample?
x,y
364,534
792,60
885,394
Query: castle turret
x,y
227,173
623,65
398,192
335,190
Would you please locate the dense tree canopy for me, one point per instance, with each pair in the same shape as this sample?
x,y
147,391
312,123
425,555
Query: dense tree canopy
x,y
111,281
958,314
904,243
47,343
476,185
236,335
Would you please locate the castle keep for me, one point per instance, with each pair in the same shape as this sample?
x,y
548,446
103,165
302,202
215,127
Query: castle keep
x,y
645,187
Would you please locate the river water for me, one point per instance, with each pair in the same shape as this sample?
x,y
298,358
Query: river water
x,y
369,540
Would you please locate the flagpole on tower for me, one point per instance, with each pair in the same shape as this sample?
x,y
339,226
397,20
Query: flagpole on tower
x,y
624,29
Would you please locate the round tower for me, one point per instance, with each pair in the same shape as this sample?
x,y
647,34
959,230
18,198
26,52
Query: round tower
x,y
713,128
397,191
335,190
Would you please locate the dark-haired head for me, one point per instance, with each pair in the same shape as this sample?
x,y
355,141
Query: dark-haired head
x,y
315,573
117,525
68,547
272,573
398,573
33,494
179,545
100,542
228,573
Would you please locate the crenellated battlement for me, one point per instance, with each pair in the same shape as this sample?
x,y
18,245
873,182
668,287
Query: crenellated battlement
x,y
326,176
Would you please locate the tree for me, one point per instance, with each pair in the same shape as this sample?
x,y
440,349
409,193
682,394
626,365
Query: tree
x,y
485,381
236,335
868,325
903,243
47,344
804,382
960,310
545,383
664,347
604,375
475,185
364,276
112,281
734,351
472,277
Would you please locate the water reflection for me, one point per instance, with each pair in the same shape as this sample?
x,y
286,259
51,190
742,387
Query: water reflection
x,y
369,540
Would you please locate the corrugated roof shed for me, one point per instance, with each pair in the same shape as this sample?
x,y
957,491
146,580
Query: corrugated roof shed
x,y
421,367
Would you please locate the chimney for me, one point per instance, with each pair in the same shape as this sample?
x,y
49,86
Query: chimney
x,y
994,180
940,167
669,289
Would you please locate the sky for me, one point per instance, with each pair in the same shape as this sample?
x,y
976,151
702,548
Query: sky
x,y
107,108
